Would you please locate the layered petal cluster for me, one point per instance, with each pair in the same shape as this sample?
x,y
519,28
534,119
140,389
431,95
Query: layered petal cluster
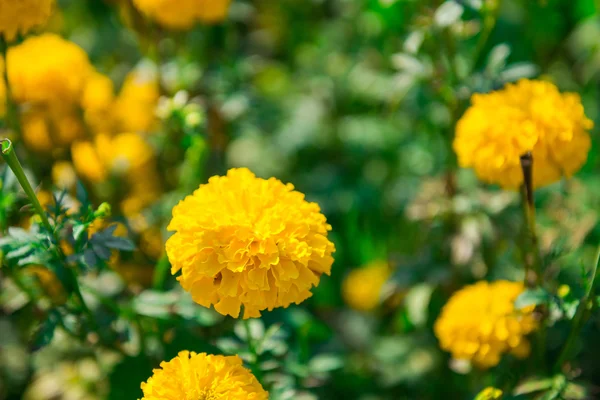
x,y
242,240
48,69
183,14
480,323
529,116
362,287
20,16
191,376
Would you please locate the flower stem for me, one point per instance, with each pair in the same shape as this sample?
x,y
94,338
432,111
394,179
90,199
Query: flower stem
x,y
9,155
160,273
578,319
533,260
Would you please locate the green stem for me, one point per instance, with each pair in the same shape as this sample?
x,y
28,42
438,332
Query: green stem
x,y
161,272
578,319
9,155
533,260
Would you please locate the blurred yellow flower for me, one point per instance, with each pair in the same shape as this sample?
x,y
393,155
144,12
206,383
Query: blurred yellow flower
x,y
480,323
48,69
362,287
20,16
87,162
191,376
489,393
242,240
97,101
529,116
126,154
63,175
183,14
134,108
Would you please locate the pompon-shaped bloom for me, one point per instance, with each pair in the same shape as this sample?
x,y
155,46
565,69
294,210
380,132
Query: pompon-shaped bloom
x,y
529,116
191,376
242,240
48,69
183,14
134,108
362,287
20,16
480,323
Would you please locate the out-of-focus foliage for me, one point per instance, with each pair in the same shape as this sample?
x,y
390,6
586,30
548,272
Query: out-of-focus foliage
x,y
121,112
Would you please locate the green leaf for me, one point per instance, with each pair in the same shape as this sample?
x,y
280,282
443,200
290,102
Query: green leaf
x,y
45,332
325,363
533,385
532,297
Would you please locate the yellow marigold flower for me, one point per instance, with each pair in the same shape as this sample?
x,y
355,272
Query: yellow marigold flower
x,y
191,376
480,323
362,287
529,116
48,68
96,102
134,108
20,16
489,393
242,240
183,14
63,175
123,155
87,163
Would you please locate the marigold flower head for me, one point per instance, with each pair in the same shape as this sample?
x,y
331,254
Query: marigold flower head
x,y
47,69
362,287
191,376
97,101
134,108
529,116
126,154
480,323
20,16
63,175
242,240
183,14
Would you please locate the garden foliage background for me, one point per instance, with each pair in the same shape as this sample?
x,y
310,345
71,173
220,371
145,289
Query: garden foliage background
x,y
355,102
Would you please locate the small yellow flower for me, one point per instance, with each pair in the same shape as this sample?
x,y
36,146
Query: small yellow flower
x,y
48,69
362,287
191,376
126,154
242,240
480,323
134,108
529,116
20,16
63,175
87,162
97,101
183,14
489,393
